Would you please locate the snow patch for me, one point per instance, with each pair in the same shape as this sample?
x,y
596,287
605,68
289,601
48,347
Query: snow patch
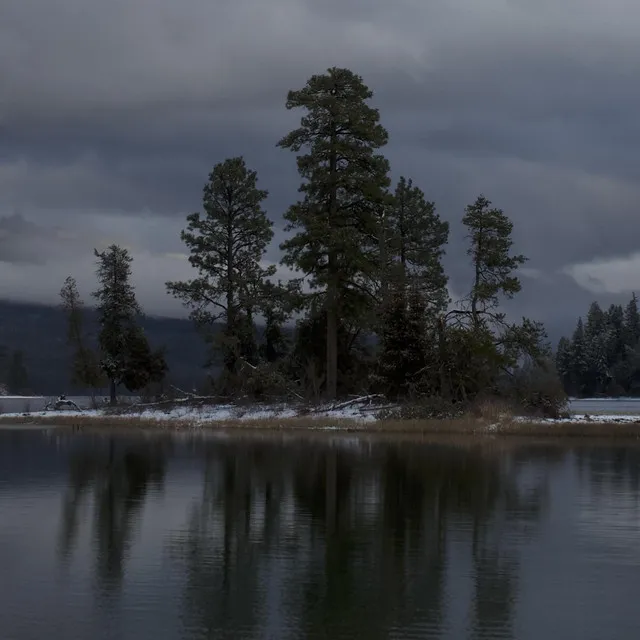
x,y
599,418
212,414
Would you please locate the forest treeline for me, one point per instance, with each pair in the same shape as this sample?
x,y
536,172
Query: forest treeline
x,y
602,357
369,299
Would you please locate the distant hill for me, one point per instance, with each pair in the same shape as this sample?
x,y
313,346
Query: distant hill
x,y
40,331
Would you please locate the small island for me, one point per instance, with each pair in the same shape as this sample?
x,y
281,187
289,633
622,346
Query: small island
x,y
363,333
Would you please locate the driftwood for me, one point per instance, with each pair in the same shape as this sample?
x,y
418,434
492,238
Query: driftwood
x,y
349,403
360,400
189,394
62,401
187,399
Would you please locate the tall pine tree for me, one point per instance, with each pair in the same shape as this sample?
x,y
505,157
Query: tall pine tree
x,y
126,357
226,245
499,344
494,266
344,186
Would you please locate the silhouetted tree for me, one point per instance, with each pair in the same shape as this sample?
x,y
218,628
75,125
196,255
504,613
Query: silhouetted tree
x,y
226,246
126,357
344,186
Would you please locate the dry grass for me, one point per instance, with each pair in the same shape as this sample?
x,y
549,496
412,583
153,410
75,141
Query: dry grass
x,y
493,410
497,425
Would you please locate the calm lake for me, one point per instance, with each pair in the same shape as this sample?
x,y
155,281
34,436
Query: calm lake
x,y
275,537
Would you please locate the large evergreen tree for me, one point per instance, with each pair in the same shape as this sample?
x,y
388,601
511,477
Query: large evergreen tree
x,y
125,355
344,186
227,244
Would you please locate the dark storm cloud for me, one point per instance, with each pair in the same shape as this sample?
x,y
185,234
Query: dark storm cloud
x,y
112,115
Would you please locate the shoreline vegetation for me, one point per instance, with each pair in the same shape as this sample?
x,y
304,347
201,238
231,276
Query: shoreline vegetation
x,y
366,415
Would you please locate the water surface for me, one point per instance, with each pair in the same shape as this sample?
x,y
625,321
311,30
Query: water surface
x,y
628,406
244,537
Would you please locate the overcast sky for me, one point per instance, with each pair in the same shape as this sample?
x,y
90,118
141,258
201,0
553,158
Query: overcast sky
x,y
113,113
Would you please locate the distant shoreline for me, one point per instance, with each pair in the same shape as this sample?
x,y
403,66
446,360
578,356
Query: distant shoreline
x,y
597,426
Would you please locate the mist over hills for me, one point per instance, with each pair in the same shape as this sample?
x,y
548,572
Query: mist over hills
x,y
40,331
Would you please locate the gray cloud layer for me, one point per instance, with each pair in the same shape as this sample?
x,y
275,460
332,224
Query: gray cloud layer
x,y
112,114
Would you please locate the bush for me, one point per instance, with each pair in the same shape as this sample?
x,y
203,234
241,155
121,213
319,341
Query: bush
x,y
539,391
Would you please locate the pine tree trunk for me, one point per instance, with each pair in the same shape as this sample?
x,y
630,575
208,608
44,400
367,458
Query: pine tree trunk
x,y
112,392
332,333
332,287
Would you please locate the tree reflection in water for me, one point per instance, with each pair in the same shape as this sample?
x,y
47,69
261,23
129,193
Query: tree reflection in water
x,y
332,538
112,475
